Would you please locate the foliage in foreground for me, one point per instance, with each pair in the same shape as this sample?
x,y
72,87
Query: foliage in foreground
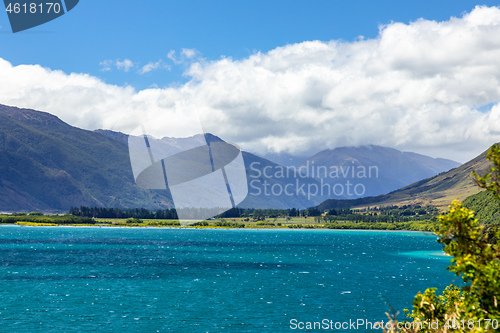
x,y
475,252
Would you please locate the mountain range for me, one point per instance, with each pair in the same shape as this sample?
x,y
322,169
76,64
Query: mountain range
x,y
48,165
439,190
390,169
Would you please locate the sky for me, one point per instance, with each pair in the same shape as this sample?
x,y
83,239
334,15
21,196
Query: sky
x,y
271,76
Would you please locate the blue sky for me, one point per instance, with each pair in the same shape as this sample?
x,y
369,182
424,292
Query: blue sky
x,y
272,76
146,31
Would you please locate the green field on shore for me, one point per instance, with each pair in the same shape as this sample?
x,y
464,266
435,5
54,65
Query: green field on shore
x,y
287,222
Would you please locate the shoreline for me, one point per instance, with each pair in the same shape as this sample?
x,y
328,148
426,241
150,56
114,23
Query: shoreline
x,y
206,228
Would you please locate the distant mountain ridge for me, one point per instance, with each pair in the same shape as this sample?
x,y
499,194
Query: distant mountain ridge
x,y
48,165
260,194
394,169
285,159
439,190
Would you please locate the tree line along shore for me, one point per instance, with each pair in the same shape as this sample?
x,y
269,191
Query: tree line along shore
x,y
405,217
393,217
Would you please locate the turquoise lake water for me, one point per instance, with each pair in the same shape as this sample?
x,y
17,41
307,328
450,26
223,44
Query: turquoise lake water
x,y
63,279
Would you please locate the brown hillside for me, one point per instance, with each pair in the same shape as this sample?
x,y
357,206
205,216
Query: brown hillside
x,y
438,191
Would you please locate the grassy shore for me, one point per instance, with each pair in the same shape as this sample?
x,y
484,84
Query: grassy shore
x,y
277,223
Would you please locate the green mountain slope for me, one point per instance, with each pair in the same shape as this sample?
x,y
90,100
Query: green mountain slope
x,y
485,207
47,164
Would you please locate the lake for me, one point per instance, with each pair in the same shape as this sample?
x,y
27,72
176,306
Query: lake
x,y
68,279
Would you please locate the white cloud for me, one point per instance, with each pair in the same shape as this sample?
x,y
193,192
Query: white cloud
x,y
106,65
151,66
171,56
415,87
186,56
189,53
125,64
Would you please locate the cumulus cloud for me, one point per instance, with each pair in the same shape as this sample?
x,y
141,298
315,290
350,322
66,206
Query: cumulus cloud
x,y
421,87
151,66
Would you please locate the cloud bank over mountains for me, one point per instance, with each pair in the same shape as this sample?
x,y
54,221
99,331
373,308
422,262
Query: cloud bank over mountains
x,y
429,87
